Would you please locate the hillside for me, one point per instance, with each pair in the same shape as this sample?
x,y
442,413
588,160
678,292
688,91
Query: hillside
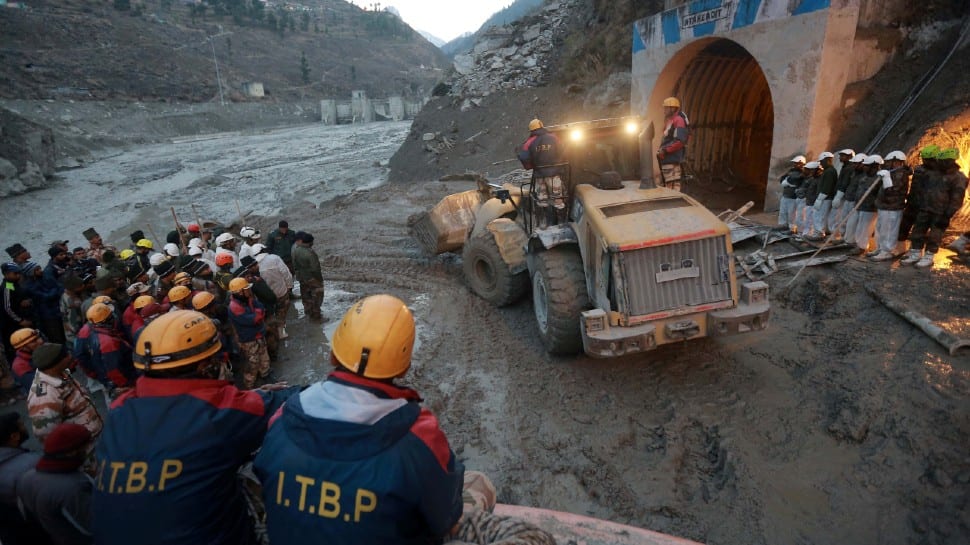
x,y
168,51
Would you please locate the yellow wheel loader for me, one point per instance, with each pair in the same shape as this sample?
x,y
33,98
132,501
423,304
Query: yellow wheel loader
x,y
635,266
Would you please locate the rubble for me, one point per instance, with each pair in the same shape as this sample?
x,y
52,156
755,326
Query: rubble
x,y
513,56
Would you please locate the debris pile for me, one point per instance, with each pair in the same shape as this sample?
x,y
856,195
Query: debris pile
x,y
513,56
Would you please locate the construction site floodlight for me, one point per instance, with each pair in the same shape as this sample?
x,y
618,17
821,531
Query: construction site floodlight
x,y
576,135
632,127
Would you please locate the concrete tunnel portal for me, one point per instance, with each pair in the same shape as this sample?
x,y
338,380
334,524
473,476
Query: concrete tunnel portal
x,y
726,96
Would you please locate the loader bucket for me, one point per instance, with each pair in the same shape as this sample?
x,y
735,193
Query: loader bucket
x,y
445,227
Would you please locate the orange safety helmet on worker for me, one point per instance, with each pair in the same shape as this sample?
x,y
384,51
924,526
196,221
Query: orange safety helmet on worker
x,y
383,451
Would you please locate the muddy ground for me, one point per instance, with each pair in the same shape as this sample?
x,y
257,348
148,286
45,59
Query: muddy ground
x,y
841,423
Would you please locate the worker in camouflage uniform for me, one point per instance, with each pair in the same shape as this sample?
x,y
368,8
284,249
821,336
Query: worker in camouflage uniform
x,y
306,269
248,318
941,197
55,396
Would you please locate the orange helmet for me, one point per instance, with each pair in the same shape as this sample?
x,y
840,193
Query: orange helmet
x,y
223,259
23,337
178,293
175,339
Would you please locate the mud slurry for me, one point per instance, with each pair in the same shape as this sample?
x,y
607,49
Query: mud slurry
x,y
840,423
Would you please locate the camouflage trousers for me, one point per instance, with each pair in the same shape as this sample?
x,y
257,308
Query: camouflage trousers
x,y
311,292
550,190
479,525
257,362
672,176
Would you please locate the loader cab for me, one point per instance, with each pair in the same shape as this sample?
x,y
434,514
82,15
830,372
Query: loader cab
x,y
591,149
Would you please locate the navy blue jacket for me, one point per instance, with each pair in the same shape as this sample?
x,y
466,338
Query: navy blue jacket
x,y
358,461
167,462
540,152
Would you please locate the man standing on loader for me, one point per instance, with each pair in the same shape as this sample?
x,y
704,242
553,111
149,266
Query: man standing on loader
x,y
673,147
541,152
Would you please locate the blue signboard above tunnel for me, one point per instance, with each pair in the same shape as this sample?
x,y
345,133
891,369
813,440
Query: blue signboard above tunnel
x,y
708,17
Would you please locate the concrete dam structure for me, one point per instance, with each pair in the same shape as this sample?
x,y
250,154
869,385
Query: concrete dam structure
x,y
760,80
361,109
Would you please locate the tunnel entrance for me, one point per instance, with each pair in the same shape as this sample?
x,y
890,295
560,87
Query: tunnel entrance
x,y
725,95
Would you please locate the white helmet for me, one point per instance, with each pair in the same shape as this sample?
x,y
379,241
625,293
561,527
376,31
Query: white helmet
x,y
224,238
825,155
798,159
248,232
257,249
194,251
874,159
172,249
157,258
858,158
195,242
896,156
847,151
812,165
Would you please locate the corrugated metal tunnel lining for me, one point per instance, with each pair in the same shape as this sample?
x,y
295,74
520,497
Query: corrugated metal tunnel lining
x,y
725,94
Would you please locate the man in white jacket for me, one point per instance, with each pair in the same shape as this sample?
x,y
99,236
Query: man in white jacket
x,y
277,275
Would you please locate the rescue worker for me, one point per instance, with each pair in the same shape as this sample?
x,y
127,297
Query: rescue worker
x,y
541,152
71,300
277,275
131,320
142,248
852,194
248,318
223,276
265,295
15,461
102,351
790,182
940,198
838,214
381,450
250,236
280,243
56,396
180,298
206,303
96,246
673,145
226,244
18,253
866,220
890,202
827,185
809,192
25,341
172,446
920,173
56,492
164,279
306,269
15,306
45,293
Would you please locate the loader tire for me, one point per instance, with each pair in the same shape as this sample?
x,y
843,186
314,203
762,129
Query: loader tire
x,y
488,275
558,297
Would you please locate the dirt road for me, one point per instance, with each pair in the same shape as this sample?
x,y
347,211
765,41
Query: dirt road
x,y
839,424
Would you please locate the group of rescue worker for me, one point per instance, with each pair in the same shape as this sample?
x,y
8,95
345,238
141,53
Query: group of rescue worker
x,y
353,457
879,204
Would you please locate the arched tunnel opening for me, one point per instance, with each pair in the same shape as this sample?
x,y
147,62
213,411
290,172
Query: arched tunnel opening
x,y
726,97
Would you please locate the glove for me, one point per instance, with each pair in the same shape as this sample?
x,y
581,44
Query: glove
x,y
819,200
837,201
784,182
887,180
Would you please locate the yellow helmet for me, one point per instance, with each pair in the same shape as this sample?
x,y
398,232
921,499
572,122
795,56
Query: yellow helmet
x,y
236,285
99,313
145,243
143,301
178,293
671,102
126,253
182,279
175,339
535,124
23,337
375,337
202,299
